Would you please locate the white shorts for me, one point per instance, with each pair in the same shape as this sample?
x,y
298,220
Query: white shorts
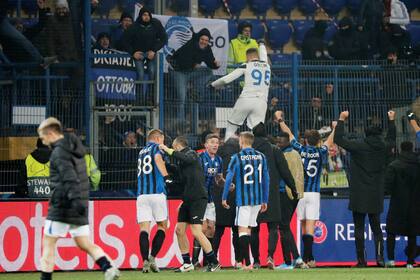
x,y
249,108
308,206
210,212
59,229
246,216
152,207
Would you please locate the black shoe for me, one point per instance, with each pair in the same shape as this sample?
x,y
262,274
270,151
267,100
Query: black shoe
x,y
380,262
360,265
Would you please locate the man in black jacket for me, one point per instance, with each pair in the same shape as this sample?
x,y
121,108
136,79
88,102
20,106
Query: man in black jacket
x,y
194,204
143,40
278,170
402,182
69,203
186,62
367,168
345,44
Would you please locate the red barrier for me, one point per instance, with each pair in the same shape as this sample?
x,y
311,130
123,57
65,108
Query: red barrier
x,y
114,228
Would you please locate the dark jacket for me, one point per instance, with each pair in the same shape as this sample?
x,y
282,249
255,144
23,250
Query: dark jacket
x,y
69,182
402,182
192,176
226,217
345,44
144,36
313,45
190,54
60,36
278,169
41,154
371,14
367,168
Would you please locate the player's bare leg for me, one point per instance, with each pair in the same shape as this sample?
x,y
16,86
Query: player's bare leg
x,y
184,247
101,259
47,259
244,243
157,244
308,228
197,232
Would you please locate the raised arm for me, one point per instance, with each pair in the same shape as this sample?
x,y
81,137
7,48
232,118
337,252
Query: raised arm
x,y
330,140
279,116
339,134
391,135
188,157
413,121
262,51
235,74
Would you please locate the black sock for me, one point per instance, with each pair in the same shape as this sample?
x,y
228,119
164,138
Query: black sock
x,y
186,258
244,242
196,251
144,245
103,263
390,246
157,242
211,257
206,261
308,240
254,240
46,275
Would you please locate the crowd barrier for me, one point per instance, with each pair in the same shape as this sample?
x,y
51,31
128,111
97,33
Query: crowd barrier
x,y
113,226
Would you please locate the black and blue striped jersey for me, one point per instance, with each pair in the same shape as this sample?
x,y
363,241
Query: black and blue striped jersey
x,y
149,178
211,167
250,171
313,159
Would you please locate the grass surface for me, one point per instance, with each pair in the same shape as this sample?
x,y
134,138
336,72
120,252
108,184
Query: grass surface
x,y
264,274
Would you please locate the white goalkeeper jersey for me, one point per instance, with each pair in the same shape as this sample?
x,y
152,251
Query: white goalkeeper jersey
x,y
257,76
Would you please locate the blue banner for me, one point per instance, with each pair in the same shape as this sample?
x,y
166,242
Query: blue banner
x,y
114,77
334,234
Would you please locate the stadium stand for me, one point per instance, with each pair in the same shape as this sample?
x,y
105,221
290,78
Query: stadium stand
x,y
236,7
279,33
260,7
208,7
308,7
284,7
333,7
300,27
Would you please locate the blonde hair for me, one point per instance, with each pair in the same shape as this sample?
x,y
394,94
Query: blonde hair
x,y
155,133
51,124
247,138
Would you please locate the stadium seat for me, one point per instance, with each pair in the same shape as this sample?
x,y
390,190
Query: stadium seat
x,y
333,7
354,6
330,31
102,25
104,7
260,7
308,7
233,29
300,29
236,7
209,6
414,30
279,33
258,30
284,6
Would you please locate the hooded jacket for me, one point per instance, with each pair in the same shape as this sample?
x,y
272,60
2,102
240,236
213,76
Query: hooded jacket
x,y
69,182
345,44
144,36
190,54
402,182
367,168
313,45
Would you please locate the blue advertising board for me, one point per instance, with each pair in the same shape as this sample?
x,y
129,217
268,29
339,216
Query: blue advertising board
x,y
334,235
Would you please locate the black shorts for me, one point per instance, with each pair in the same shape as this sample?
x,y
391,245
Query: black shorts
x,y
192,212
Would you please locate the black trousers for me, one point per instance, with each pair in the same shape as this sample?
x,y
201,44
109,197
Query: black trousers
x,y
220,230
287,240
411,248
359,234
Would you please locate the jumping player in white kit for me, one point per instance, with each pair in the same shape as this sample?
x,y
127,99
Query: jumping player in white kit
x,y
252,103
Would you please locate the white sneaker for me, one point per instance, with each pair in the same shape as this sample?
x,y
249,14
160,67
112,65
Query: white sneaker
x,y
186,267
153,265
112,273
146,266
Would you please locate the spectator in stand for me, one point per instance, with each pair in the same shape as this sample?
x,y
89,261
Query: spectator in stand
x,y
313,46
314,116
143,40
126,20
103,41
15,45
130,139
396,12
398,39
186,63
243,42
370,20
60,34
345,44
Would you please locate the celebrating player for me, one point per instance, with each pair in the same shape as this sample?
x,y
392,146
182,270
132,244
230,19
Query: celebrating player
x,y
249,168
151,200
308,207
69,203
213,173
252,103
194,204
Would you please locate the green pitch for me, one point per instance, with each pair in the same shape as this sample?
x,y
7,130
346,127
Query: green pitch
x,y
264,274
